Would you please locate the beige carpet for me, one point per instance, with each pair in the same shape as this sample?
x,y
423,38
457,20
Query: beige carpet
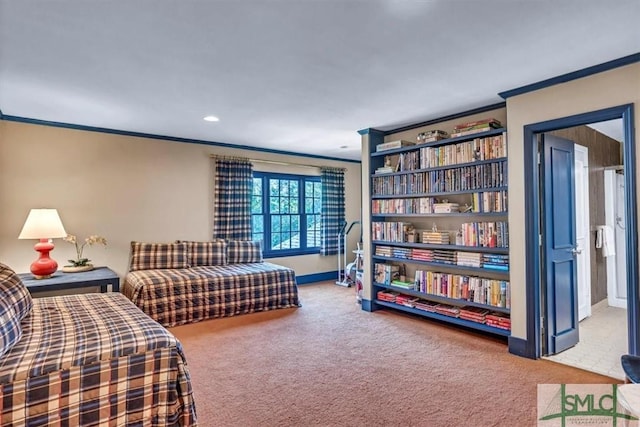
x,y
328,363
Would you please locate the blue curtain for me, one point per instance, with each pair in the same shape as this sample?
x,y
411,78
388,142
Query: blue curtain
x,y
232,205
332,213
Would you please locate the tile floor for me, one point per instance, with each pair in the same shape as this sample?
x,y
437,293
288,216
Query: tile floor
x,y
603,339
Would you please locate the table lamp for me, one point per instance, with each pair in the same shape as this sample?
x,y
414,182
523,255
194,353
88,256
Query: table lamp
x,y
44,225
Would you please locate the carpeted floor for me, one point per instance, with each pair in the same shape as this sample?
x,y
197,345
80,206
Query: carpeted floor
x,y
328,363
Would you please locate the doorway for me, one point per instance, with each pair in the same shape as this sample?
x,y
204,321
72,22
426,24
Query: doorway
x,y
539,327
599,249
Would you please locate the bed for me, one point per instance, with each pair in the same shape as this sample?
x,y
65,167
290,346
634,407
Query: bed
x,y
185,295
93,360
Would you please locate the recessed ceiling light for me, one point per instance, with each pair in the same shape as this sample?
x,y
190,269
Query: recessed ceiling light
x,y
211,119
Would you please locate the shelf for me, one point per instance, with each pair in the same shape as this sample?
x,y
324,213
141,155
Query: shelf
x,y
455,320
444,215
482,249
478,270
436,168
445,300
438,193
441,142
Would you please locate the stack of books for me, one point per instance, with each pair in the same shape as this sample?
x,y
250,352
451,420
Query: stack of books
x,y
426,305
389,296
478,126
383,251
474,314
435,237
469,259
404,253
394,144
385,169
499,320
432,136
496,261
403,284
445,207
448,310
406,300
444,257
422,254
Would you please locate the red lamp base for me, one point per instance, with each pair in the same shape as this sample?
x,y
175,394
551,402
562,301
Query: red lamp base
x,y
44,267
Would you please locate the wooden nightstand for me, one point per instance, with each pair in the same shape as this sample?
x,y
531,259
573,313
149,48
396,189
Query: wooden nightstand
x,y
100,276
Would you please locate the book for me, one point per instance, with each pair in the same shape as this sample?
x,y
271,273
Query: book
x,y
394,144
487,121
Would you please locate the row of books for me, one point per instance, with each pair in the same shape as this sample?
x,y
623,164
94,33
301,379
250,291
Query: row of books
x,y
491,147
499,262
473,314
391,231
484,234
474,127
487,201
469,288
477,177
392,251
478,260
422,205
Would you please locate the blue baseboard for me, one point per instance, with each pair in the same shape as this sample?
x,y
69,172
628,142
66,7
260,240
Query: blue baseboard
x,y
520,347
317,277
367,305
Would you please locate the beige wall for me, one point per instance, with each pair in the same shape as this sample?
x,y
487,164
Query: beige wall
x,y
608,89
125,188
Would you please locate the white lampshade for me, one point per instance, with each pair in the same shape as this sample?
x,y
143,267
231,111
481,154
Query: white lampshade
x,y
42,224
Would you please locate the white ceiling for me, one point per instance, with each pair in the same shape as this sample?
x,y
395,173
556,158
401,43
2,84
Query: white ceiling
x,y
294,75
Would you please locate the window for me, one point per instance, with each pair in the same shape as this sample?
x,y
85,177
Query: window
x,y
285,213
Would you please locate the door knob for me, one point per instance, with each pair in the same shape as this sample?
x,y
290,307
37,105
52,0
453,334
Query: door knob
x,y
576,251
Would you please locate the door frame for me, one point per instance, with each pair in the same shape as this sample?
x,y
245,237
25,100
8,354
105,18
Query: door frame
x,y
533,345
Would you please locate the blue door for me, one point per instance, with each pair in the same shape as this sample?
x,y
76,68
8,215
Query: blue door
x,y
559,244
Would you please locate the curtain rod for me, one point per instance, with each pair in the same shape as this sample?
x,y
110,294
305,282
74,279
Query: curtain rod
x,y
274,162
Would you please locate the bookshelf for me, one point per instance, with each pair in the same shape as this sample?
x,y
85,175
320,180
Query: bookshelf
x,y
439,229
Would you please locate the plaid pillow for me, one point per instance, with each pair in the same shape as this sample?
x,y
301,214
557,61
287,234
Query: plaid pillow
x,y
10,329
206,253
151,256
14,292
243,251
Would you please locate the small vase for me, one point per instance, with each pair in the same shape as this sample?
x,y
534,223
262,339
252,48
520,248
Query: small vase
x,y
77,269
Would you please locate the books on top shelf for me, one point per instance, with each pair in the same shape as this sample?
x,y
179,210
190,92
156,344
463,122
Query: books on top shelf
x,y
394,144
478,126
431,136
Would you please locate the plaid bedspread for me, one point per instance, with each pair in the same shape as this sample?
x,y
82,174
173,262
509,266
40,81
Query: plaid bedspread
x,y
178,296
94,360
